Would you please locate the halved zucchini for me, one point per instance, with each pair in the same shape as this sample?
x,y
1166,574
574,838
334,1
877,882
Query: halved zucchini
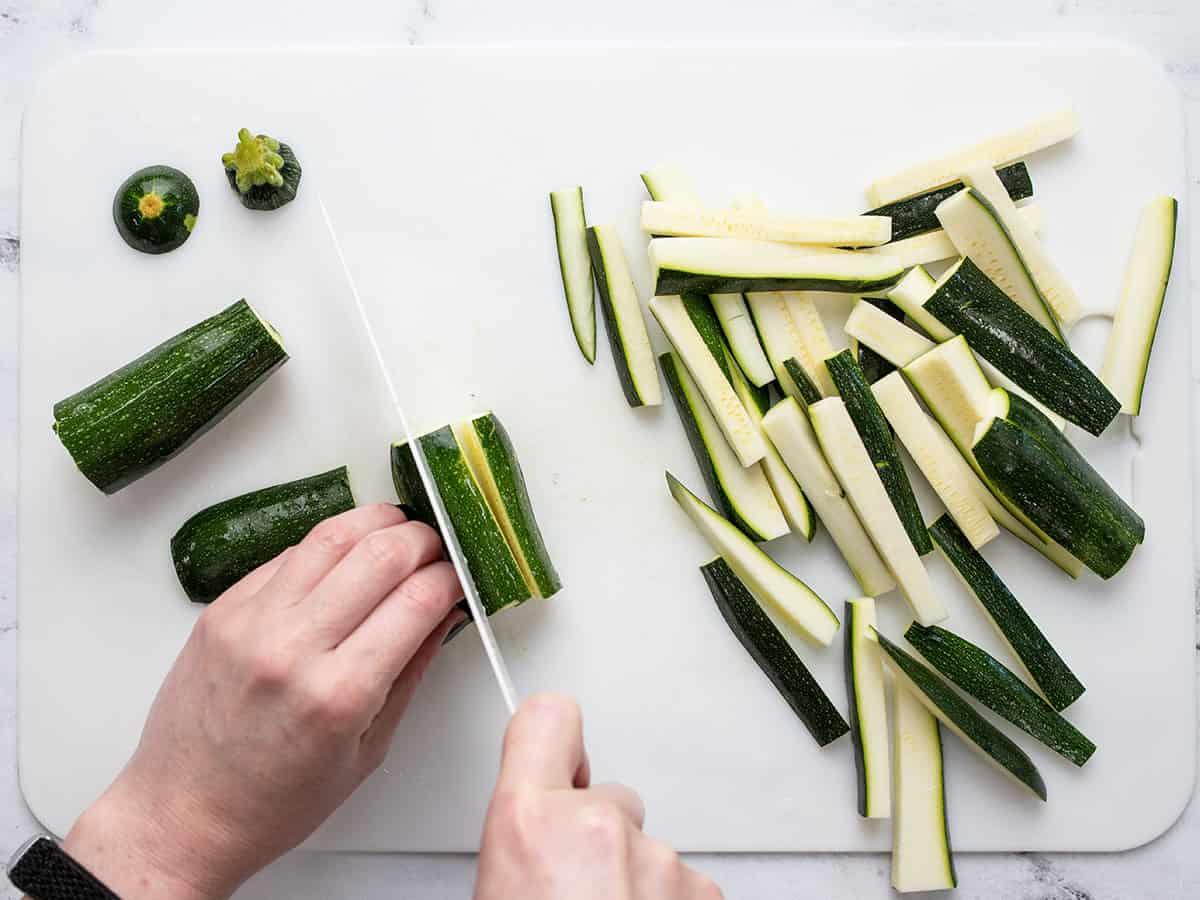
x,y
935,246
770,582
855,470
885,335
1128,352
733,265
742,337
685,220
814,339
570,235
868,710
632,353
790,432
769,648
666,181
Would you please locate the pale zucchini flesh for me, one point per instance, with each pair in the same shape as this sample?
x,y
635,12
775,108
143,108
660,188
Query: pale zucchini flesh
x,y
910,295
866,696
935,246
891,339
667,181
814,339
742,337
684,220
780,337
570,235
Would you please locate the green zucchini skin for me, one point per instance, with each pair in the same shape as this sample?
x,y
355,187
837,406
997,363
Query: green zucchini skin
x,y
873,365
773,654
986,736
970,303
915,215
611,326
873,428
804,384
994,685
266,197
219,545
704,317
506,471
138,417
155,209
1049,671
676,281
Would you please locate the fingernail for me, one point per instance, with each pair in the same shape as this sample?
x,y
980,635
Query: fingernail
x,y
461,619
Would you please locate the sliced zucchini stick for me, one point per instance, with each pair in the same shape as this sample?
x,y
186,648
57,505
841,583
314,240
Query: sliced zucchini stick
x,y
855,470
570,234
804,387
1014,625
960,717
740,333
941,465
741,493
935,246
877,438
790,432
744,439
994,151
632,353
910,295
1000,331
921,854
915,215
1128,352
993,684
769,648
700,311
684,220
873,365
1051,284
779,335
868,711
734,265
667,181
770,583
796,508
884,335
813,337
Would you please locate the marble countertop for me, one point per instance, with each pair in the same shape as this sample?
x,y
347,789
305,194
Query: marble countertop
x,y
35,34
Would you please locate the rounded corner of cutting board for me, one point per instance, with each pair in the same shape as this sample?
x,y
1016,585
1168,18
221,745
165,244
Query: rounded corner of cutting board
x,y
38,793
1137,831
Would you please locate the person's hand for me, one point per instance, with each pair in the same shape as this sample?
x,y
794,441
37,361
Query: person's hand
x,y
551,835
285,698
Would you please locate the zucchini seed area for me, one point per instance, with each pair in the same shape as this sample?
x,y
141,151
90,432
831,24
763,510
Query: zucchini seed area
x,y
152,205
255,160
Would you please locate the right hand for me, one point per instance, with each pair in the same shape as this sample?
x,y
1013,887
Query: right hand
x,y
551,835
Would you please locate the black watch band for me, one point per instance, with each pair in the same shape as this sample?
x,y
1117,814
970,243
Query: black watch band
x,y
44,871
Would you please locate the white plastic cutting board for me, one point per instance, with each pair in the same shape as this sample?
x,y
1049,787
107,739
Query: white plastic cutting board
x,y
436,165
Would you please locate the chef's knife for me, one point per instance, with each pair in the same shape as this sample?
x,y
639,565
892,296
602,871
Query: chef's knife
x,y
453,548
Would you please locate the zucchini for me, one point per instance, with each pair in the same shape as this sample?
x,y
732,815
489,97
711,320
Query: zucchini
x,y
935,246
685,220
570,236
884,335
960,717
744,439
138,417
494,462
741,494
941,465
873,365
814,339
1033,467
782,340
632,353
922,859
1128,352
997,150
770,583
868,711
263,171
494,567
792,434
155,209
219,545
704,318
742,337
915,215
910,295
982,676
733,265
855,470
1014,625
667,181
877,438
774,655
804,387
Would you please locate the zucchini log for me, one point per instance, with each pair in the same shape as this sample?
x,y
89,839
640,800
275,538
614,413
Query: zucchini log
x,y
264,172
155,209
135,419
967,302
989,681
685,220
570,236
1128,352
769,648
219,545
865,691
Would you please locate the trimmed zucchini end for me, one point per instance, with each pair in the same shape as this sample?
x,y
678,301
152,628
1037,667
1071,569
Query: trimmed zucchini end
x,y
271,330
254,161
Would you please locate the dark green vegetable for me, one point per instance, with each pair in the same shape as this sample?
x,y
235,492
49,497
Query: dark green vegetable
x,y
873,365
264,172
990,682
808,391
155,209
135,419
774,655
700,311
219,545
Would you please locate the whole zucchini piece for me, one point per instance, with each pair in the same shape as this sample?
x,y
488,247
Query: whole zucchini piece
x,y
155,209
135,419
264,172
217,546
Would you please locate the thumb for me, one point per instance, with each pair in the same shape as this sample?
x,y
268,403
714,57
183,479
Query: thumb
x,y
543,746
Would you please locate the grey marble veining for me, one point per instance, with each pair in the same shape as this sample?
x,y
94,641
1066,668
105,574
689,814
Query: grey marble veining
x,y
35,34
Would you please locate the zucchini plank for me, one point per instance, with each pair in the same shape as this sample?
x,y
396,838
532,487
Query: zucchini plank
x,y
873,365
989,681
742,337
219,545
570,236
135,419
1127,355
865,692
666,181
684,220
885,336
774,655
779,335
814,339
910,295
960,717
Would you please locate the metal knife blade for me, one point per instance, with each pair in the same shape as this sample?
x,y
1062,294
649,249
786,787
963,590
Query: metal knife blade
x,y
453,548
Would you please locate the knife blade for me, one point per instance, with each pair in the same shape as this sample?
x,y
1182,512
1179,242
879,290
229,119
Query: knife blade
x,y
453,548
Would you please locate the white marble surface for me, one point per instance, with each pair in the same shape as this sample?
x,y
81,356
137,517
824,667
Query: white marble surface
x,y
34,34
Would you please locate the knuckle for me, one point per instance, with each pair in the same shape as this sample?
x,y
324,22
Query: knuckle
x,y
330,706
385,548
604,827
269,667
331,537
421,597
520,817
